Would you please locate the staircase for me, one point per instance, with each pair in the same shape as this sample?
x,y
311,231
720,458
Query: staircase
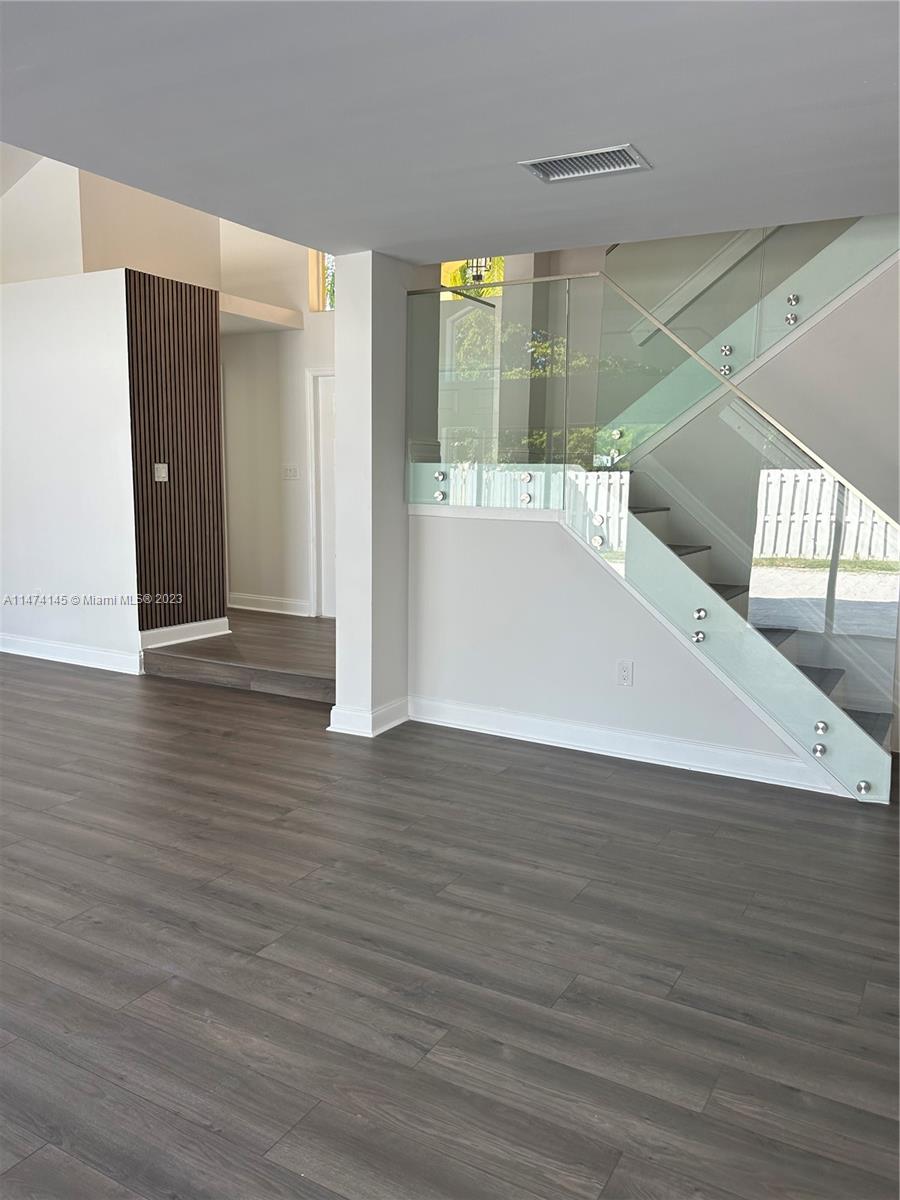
x,y
793,643
778,574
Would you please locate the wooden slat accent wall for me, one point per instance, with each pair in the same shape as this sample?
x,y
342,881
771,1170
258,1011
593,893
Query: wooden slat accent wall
x,y
173,357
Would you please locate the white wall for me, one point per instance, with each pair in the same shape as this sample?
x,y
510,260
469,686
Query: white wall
x,y
14,163
371,515
40,224
515,630
265,408
265,435
836,389
67,487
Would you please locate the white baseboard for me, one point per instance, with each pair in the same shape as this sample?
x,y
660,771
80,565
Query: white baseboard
x,y
126,662
364,722
709,758
273,604
191,631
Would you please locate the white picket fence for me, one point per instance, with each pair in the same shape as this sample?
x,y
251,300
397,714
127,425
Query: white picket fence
x,y
797,512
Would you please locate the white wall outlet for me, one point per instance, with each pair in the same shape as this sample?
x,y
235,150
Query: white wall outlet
x,y
625,672
160,472
290,472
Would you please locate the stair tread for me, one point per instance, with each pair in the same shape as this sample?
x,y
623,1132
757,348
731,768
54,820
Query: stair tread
x,y
775,634
640,509
825,678
875,724
683,550
729,591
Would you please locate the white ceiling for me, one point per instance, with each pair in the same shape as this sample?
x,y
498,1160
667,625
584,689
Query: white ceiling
x,y
397,126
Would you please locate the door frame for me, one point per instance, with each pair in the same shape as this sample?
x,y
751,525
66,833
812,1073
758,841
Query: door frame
x,y
313,375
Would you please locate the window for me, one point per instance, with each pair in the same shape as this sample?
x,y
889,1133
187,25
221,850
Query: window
x,y
321,281
464,272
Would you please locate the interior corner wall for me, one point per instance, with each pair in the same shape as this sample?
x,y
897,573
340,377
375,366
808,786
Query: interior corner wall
x,y
515,630
267,508
173,358
40,224
67,503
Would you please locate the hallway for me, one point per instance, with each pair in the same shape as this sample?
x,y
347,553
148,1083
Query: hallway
x,y
250,960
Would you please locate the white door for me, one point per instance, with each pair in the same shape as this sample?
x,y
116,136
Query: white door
x,y
325,498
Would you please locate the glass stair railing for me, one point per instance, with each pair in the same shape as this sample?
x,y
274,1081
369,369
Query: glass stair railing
x,y
488,371
788,275
538,374
785,580
566,395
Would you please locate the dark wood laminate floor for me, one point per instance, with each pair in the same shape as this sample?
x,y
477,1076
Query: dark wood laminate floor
x,y
264,652
244,959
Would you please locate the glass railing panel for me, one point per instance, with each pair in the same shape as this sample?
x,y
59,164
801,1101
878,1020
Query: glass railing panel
x,y
486,388
807,561
732,288
787,276
739,653
626,390
826,577
669,276
487,485
724,310
787,299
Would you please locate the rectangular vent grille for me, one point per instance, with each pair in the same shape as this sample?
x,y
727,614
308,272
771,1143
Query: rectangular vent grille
x,y
610,161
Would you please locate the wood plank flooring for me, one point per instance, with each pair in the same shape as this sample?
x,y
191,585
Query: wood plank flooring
x,y
245,959
265,652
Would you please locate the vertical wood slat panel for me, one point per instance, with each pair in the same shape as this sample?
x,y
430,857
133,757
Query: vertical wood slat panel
x,y
173,360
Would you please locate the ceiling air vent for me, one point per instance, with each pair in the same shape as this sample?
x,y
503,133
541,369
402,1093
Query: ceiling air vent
x,y
612,160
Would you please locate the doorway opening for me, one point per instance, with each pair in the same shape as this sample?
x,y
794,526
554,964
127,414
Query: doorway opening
x,y
278,455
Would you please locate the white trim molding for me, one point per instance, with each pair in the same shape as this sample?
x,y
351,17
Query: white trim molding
x,y
709,758
313,375
364,722
126,662
191,631
273,604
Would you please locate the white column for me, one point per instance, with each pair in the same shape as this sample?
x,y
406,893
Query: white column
x,y
371,520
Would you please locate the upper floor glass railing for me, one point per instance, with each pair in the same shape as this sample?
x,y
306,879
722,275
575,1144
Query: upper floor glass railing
x,y
748,290
515,379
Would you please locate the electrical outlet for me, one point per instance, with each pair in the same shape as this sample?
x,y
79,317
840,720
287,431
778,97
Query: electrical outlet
x,y
290,472
625,672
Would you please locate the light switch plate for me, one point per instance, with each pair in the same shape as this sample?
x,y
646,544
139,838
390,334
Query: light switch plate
x,y
160,472
290,472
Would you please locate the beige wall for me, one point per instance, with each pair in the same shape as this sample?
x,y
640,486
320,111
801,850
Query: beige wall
x,y
263,268
57,220
124,227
